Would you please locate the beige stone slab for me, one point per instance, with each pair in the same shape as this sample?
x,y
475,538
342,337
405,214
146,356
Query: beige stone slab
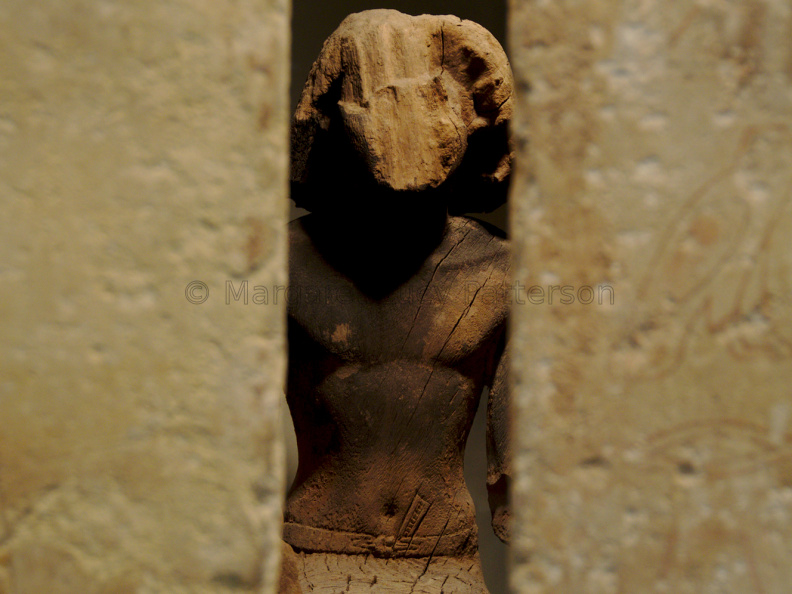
x,y
655,149
143,146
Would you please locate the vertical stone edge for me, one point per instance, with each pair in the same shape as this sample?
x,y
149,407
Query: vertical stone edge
x,y
651,157
143,148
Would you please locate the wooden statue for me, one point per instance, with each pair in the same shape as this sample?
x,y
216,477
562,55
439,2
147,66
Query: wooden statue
x,y
398,308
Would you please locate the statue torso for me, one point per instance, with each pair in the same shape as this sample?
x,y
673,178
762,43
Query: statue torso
x,y
383,392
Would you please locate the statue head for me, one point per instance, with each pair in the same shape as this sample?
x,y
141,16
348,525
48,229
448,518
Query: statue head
x,y
402,106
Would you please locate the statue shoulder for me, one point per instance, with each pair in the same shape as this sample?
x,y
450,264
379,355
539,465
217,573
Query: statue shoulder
x,y
297,232
305,262
299,241
481,242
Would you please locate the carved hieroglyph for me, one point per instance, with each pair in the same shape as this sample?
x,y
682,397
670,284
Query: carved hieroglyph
x,y
655,449
397,314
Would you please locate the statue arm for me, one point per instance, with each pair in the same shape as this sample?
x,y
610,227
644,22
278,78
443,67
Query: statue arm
x,y
498,448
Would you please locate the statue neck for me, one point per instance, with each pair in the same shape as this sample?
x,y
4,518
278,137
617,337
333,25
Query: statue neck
x,y
381,244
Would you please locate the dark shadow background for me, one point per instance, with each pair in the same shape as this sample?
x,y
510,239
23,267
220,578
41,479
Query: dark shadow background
x,y
312,22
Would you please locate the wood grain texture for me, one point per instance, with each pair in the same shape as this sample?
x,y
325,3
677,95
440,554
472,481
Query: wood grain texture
x,y
362,574
412,102
397,313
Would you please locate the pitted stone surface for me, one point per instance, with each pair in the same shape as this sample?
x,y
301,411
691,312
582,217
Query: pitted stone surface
x,y
143,146
653,423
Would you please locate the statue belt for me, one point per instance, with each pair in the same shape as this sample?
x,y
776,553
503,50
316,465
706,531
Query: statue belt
x,y
315,540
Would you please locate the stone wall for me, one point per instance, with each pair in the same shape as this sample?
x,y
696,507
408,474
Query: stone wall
x,y
143,146
653,401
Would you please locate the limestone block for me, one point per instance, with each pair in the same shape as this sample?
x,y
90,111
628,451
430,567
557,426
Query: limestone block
x,y
143,146
652,398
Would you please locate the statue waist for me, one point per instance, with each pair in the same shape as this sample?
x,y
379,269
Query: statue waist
x,y
321,540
